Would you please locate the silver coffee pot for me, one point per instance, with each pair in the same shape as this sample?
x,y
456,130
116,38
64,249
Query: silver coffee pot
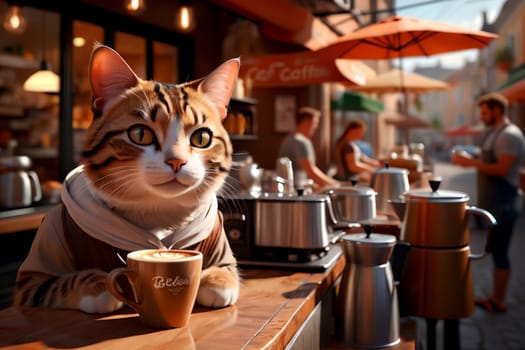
x,y
368,298
19,185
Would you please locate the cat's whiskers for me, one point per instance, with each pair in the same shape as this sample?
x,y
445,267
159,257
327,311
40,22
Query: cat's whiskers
x,y
117,175
209,182
123,169
120,182
112,179
228,189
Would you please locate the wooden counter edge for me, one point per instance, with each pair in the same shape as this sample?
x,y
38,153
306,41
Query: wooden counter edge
x,y
278,332
25,221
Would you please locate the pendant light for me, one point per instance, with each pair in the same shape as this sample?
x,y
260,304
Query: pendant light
x,y
14,21
44,80
185,17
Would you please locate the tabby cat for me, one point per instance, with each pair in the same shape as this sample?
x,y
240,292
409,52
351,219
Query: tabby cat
x,y
155,157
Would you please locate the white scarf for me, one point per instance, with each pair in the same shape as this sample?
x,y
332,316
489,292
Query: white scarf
x,y
100,222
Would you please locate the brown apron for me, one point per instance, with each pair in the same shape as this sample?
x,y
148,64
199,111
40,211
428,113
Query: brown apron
x,y
495,193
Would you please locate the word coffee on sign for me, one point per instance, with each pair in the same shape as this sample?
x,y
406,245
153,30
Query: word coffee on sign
x,y
281,72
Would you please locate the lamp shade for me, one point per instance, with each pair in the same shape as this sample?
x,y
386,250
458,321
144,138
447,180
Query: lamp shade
x,y
44,80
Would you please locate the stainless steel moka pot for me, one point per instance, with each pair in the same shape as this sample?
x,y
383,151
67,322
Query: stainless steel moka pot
x,y
368,298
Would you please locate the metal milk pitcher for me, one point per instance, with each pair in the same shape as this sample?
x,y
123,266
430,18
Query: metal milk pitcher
x,y
368,296
284,169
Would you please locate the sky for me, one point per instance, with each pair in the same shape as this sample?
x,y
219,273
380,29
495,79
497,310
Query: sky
x,y
464,13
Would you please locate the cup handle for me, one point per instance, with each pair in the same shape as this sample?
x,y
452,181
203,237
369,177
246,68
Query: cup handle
x,y
114,288
491,221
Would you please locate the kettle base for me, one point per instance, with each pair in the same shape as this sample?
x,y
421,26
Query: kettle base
x,y
320,265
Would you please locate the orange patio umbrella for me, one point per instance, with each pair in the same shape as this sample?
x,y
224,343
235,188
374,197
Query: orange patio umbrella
x,y
396,80
397,37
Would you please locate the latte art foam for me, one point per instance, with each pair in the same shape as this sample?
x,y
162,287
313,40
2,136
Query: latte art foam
x,y
165,256
160,255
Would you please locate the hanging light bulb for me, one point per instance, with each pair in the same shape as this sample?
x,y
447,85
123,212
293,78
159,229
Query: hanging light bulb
x,y
134,6
79,41
14,21
185,18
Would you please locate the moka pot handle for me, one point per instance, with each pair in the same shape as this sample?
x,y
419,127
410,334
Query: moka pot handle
x,y
491,221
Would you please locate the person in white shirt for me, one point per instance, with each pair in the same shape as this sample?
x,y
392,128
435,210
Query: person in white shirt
x,y
298,147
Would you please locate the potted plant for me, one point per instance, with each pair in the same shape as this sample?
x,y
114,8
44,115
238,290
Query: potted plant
x,y
504,58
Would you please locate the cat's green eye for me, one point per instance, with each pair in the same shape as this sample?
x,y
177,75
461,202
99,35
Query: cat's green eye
x,y
201,138
141,135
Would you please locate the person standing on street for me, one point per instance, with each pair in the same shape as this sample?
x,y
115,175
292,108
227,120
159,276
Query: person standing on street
x,y
298,147
498,173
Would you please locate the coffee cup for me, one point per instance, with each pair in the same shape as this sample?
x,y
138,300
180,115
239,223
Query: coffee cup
x,y
164,283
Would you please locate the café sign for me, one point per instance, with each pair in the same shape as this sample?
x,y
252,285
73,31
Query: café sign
x,y
302,68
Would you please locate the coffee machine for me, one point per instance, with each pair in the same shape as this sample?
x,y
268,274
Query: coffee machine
x,y
281,231
268,224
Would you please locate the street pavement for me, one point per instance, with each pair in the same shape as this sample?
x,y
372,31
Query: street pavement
x,y
484,330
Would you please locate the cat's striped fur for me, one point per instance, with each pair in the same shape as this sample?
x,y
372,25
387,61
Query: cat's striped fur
x,y
155,155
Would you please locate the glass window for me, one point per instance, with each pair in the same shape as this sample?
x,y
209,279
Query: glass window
x,y
133,49
165,63
84,36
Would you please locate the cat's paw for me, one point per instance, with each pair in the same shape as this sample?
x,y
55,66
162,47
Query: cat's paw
x,y
100,303
219,287
94,297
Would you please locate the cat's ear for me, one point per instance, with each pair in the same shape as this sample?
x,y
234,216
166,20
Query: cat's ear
x,y
219,84
109,75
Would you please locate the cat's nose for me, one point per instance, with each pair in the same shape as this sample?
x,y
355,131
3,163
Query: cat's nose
x,y
176,164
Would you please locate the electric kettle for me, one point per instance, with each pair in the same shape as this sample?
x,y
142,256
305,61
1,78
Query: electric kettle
x,y
19,186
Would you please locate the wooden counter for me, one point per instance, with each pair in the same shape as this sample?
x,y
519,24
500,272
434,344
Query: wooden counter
x,y
274,309
272,306
23,219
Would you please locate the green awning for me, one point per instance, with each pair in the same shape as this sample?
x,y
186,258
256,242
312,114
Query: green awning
x,y
515,75
514,87
352,101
